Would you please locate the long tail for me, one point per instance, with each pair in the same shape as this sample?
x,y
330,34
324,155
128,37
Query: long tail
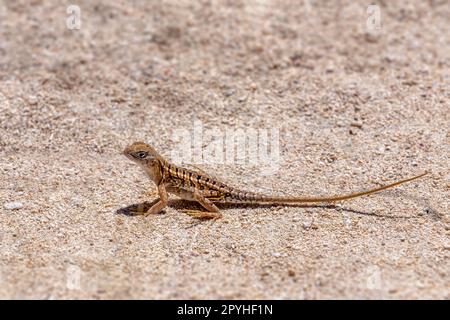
x,y
270,199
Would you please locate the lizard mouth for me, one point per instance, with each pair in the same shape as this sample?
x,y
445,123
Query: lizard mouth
x,y
127,154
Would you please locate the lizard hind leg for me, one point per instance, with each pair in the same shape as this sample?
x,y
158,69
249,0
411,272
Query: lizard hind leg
x,y
212,213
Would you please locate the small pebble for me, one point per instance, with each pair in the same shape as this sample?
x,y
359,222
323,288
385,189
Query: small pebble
x,y
242,99
307,224
276,254
347,222
32,100
229,93
13,205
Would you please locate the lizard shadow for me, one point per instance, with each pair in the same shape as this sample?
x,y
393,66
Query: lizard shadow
x,y
428,207
139,208
306,206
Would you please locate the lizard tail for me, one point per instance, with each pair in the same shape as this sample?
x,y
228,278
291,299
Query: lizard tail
x,y
271,199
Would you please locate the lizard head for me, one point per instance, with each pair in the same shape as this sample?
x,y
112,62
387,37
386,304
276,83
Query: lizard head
x,y
148,159
141,153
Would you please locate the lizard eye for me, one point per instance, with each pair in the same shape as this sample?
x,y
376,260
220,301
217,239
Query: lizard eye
x,y
142,154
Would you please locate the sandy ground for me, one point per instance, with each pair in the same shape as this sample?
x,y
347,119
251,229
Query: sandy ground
x,y
354,107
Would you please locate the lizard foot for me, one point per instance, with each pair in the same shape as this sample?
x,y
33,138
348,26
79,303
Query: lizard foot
x,y
203,214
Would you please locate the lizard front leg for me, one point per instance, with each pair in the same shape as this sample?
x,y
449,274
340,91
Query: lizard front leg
x,y
162,203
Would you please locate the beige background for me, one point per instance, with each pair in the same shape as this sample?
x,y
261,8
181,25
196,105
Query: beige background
x,y
354,107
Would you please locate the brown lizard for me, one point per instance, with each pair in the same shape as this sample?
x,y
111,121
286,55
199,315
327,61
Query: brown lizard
x,y
198,186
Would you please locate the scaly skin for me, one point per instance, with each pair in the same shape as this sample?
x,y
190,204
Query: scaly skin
x,y
196,186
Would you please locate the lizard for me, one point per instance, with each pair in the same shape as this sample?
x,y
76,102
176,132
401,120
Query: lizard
x,y
198,186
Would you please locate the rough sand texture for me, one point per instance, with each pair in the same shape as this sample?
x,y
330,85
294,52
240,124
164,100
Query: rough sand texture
x,y
354,109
